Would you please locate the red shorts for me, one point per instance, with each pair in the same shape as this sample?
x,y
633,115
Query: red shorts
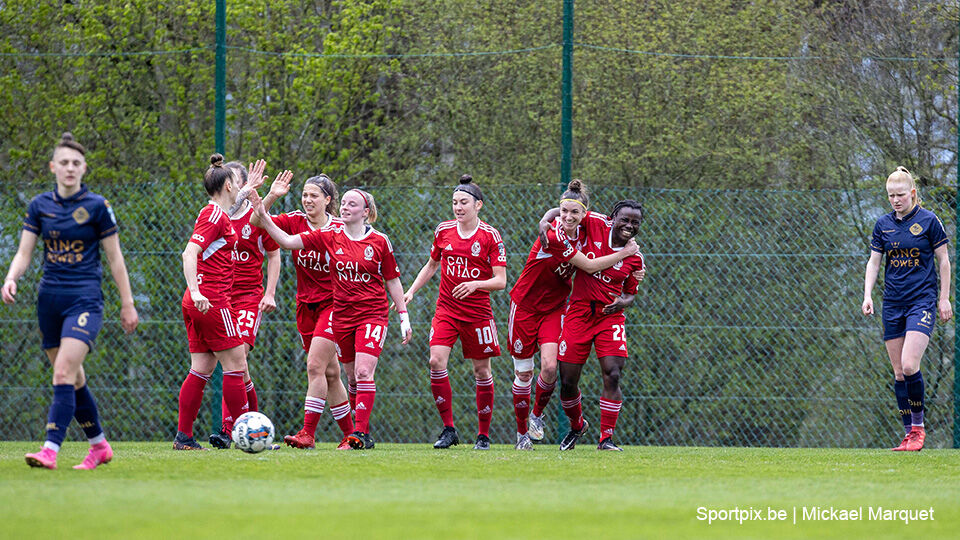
x,y
213,331
314,319
366,338
581,329
478,339
528,330
247,308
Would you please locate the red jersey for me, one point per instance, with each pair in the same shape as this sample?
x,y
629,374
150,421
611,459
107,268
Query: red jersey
x,y
252,245
213,232
359,268
544,283
602,286
314,283
466,258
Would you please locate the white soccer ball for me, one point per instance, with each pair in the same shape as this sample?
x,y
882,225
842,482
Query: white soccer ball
x,y
253,432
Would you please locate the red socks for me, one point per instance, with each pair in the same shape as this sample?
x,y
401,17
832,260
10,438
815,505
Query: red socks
x,y
544,391
312,409
442,395
251,402
571,408
191,395
366,392
521,405
484,405
609,411
235,395
341,413
251,396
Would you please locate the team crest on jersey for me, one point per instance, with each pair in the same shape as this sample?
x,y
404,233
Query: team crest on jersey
x,y
916,229
618,265
563,346
245,231
81,216
517,346
475,249
113,218
368,253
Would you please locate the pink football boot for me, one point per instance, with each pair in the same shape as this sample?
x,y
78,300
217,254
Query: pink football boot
x,y
44,458
99,454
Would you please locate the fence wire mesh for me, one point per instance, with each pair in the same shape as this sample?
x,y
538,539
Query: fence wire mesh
x,y
746,331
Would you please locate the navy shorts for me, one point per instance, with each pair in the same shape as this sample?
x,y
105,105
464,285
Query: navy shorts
x,y
898,320
69,315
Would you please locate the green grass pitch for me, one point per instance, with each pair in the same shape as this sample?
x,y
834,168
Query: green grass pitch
x,y
414,491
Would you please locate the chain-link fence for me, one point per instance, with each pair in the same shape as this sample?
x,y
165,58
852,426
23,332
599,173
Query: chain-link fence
x,y
746,331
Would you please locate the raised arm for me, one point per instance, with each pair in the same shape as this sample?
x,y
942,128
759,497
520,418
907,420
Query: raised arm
x,y
279,188
19,264
285,240
545,222
870,279
254,181
118,269
395,290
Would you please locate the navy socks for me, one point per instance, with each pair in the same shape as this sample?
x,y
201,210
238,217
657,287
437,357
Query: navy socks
x,y
86,413
61,413
915,397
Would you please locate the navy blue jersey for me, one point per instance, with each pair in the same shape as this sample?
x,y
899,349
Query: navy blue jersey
x,y
71,230
910,273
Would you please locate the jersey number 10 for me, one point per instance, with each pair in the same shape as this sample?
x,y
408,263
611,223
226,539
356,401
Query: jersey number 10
x,y
484,335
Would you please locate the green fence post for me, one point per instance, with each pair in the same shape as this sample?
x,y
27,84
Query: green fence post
x,y
566,94
219,121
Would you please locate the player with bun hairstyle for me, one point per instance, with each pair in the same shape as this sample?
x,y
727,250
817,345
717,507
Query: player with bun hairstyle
x,y
364,270
209,263
909,237
538,301
472,261
74,223
248,297
594,318
319,201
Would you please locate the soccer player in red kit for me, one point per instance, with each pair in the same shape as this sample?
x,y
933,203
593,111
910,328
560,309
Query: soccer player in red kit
x,y
472,262
319,201
249,298
594,317
210,319
364,269
538,301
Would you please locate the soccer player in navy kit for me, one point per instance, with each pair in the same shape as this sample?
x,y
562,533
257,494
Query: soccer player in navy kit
x,y
74,223
909,237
